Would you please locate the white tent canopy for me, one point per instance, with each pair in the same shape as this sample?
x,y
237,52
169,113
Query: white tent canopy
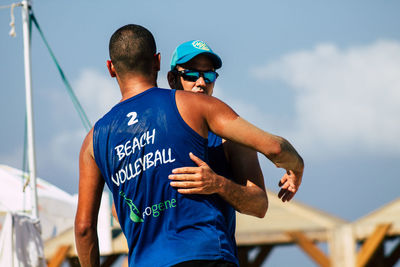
x,y
56,207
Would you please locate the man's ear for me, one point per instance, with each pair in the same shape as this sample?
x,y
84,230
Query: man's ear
x,y
111,69
171,77
157,61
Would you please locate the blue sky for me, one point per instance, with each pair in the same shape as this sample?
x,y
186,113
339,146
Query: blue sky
x,y
323,74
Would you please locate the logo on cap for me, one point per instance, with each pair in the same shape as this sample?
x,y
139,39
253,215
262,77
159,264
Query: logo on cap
x,y
200,45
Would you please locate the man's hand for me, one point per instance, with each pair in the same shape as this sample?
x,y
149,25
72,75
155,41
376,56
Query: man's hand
x,y
196,180
289,184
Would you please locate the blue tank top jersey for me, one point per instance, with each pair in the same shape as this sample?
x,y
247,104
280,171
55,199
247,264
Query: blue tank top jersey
x,y
219,164
136,146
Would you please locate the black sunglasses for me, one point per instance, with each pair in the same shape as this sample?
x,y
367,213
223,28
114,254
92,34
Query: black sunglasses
x,y
193,75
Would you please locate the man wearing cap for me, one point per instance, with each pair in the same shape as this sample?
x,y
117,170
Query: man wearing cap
x,y
237,178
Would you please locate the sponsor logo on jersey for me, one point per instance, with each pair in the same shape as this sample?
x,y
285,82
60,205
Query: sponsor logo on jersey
x,y
153,210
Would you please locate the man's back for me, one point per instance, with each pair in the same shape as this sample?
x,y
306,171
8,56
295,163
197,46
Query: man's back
x,y
136,146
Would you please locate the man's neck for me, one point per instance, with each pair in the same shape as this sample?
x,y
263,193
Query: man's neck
x,y
131,86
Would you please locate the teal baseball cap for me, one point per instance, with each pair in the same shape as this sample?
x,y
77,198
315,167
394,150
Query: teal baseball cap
x,y
188,50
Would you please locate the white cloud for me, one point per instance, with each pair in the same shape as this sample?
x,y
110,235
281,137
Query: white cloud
x,y
67,142
252,113
345,98
96,92
12,158
58,158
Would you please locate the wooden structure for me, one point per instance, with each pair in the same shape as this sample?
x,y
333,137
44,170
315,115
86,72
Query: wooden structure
x,y
286,223
62,248
374,231
361,243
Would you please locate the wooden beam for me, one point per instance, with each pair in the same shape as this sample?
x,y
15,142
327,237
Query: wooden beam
x,y
59,256
378,258
342,246
74,262
243,256
310,248
262,255
394,256
371,244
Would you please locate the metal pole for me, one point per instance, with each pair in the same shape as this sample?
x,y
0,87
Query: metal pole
x,y
29,106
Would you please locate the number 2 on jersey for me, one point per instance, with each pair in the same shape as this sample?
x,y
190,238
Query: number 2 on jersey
x,y
133,119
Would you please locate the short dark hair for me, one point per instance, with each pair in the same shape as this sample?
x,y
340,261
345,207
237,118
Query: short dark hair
x,y
132,49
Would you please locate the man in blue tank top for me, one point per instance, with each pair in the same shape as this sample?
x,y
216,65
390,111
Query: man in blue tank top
x,y
138,143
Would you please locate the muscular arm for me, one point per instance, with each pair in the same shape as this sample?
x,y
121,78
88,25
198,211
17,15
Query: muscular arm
x,y
198,110
90,189
225,122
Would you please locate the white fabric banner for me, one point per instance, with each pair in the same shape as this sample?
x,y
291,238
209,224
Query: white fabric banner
x,y
21,243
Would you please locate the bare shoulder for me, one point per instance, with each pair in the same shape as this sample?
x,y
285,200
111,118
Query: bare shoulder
x,y
186,96
203,112
87,145
198,99
192,108
89,172
210,106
